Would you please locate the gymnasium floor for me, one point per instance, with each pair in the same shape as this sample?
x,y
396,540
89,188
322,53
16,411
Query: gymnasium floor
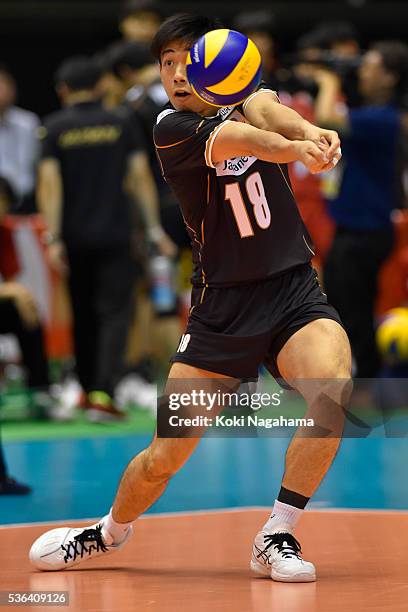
x,y
181,559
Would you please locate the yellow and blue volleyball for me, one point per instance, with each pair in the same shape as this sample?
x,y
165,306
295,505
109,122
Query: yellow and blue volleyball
x,y
224,67
392,336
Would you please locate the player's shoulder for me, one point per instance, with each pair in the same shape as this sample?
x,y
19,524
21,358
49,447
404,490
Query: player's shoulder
x,y
54,123
56,118
173,126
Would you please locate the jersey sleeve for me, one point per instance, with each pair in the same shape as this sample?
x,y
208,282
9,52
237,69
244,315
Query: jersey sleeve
x,y
184,140
261,90
48,136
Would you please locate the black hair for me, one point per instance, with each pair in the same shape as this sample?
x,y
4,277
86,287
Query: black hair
x,y
394,55
255,21
185,27
134,7
79,72
8,191
134,55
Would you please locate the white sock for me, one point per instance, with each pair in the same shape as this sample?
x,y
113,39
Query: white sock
x,y
283,515
116,531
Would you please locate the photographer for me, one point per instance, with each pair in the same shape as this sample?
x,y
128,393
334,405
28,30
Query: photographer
x,y
368,191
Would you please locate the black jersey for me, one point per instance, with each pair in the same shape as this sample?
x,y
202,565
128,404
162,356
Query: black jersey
x,y
241,213
93,146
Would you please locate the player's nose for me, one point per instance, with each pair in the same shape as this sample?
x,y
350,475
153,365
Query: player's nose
x,y
180,73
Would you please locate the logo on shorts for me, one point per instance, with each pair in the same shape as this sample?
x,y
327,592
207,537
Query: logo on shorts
x,y
185,339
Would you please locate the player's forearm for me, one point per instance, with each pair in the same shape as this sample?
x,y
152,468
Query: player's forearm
x,y
49,201
50,206
147,198
327,101
243,140
275,148
264,113
144,191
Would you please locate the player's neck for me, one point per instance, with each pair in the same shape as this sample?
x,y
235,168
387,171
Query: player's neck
x,y
210,111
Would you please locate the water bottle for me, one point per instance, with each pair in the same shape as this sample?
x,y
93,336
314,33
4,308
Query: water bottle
x,y
162,284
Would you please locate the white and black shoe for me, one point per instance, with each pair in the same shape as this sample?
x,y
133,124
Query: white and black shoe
x,y
64,547
277,555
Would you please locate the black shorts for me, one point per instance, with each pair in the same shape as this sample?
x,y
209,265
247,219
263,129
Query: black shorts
x,y
234,330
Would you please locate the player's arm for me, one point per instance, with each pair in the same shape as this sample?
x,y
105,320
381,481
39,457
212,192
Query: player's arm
x,y
327,109
235,139
264,111
49,194
49,200
142,188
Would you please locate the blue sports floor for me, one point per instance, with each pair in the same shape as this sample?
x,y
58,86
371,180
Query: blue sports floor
x,y
77,478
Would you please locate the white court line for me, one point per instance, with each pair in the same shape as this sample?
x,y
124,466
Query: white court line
x,y
160,515
156,515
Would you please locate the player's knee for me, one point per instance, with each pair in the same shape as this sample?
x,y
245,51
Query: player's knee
x,y
159,466
327,406
336,389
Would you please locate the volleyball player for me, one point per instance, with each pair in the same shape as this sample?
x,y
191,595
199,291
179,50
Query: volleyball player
x,y
255,299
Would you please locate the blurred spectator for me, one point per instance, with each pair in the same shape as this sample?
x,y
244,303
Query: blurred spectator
x,y
89,154
18,316
144,97
336,46
339,37
139,20
18,145
18,311
258,25
370,188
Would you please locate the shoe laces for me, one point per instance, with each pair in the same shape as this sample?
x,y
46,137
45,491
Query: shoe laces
x,y
78,546
285,543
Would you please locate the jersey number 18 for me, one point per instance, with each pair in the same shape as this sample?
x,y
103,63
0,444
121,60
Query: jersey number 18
x,y
256,195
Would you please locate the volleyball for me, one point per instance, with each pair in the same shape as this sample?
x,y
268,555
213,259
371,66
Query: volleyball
x,y
223,67
392,336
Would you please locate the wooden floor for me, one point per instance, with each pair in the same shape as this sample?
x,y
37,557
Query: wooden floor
x,y
199,562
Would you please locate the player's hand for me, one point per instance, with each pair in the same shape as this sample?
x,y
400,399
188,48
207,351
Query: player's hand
x,y
24,302
57,257
329,137
312,156
333,161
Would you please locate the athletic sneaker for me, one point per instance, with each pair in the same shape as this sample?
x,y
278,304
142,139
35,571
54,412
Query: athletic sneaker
x,y
100,408
277,555
64,547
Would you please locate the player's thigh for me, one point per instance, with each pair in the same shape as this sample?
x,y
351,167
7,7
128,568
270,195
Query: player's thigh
x,y
171,453
316,361
318,350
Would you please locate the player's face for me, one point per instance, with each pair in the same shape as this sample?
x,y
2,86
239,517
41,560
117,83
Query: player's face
x,y
174,78
373,78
